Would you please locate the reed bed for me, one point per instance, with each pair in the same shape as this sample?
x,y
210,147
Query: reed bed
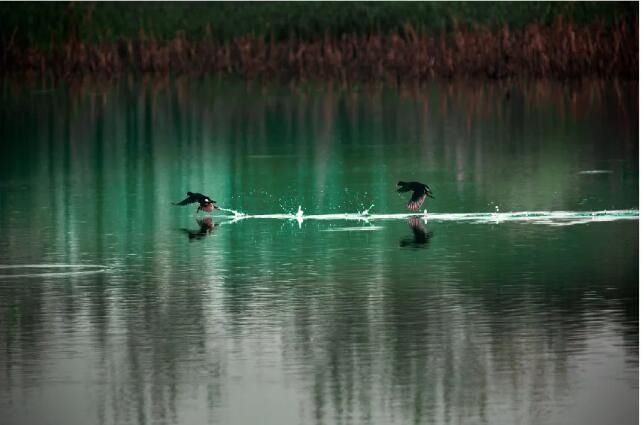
x,y
355,41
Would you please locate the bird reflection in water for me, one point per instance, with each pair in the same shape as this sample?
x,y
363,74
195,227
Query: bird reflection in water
x,y
206,226
421,235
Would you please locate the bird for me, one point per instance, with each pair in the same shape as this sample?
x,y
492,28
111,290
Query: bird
x,y
420,192
205,203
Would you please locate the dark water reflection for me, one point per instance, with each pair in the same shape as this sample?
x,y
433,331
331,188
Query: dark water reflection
x,y
421,236
206,227
200,320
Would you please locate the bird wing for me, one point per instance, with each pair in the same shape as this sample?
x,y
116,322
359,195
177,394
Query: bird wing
x,y
188,200
196,197
417,199
404,187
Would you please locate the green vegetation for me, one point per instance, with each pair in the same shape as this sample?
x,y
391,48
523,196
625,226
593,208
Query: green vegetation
x,y
44,24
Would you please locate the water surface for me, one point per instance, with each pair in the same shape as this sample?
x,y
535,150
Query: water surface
x,y
512,300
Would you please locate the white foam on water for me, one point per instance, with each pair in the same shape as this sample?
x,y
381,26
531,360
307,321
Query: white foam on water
x,y
595,172
235,212
269,156
51,266
535,217
354,229
76,269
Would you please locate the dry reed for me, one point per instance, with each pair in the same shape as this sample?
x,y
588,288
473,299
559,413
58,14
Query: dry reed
x,y
561,50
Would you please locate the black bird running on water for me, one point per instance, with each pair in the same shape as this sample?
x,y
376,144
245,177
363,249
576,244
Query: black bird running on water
x,y
420,192
205,203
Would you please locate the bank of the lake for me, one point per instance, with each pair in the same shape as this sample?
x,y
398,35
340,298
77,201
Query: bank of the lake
x,y
323,41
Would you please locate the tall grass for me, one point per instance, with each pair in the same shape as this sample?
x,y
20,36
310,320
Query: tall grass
x,y
42,24
323,40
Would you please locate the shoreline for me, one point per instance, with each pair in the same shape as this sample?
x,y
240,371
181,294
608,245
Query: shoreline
x,y
562,50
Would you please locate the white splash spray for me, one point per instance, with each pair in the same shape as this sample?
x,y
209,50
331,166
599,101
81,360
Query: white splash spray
x,y
555,218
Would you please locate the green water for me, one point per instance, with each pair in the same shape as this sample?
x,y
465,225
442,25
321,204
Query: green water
x,y
513,300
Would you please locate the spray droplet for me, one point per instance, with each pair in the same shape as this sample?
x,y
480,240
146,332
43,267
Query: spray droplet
x,y
366,212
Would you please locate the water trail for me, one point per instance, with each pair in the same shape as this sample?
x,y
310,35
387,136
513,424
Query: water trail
x,y
76,269
535,217
235,212
50,274
596,172
51,266
353,229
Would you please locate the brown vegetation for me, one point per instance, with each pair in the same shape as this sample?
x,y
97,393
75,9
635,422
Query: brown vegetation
x,y
562,50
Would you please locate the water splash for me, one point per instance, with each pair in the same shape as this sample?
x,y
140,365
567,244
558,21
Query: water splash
x,y
555,218
235,212
366,212
299,216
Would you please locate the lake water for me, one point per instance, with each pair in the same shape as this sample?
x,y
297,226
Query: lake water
x,y
512,300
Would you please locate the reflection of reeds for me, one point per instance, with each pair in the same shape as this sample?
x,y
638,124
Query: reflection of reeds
x,y
561,50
